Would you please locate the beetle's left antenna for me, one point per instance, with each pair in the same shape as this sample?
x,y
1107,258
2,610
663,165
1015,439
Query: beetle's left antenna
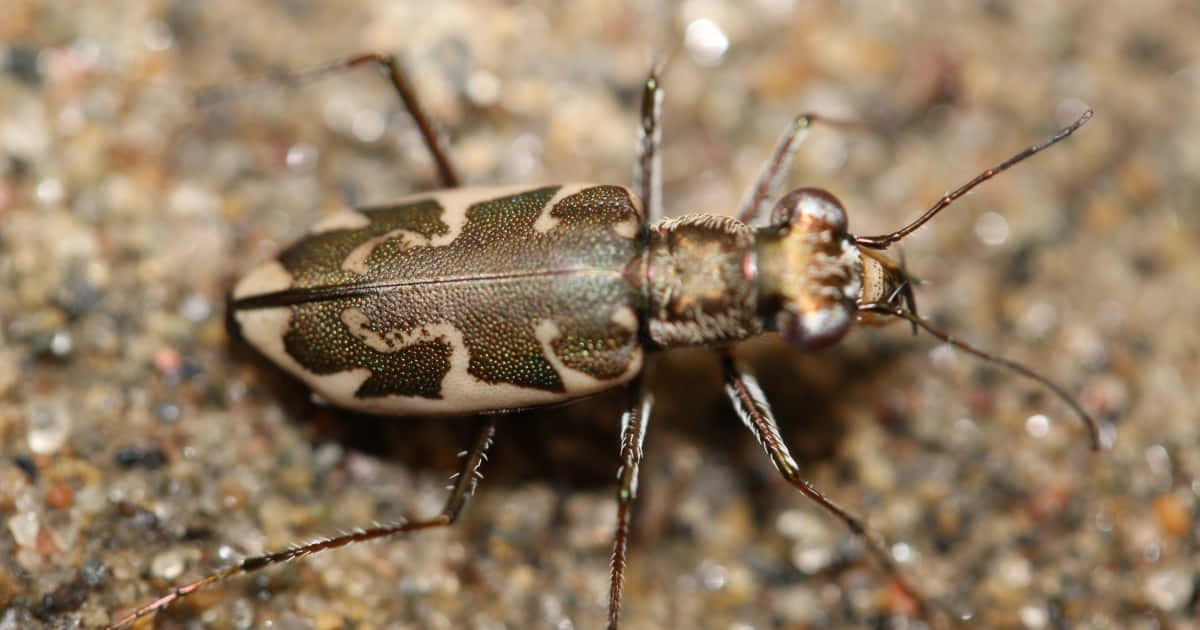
x,y
883,240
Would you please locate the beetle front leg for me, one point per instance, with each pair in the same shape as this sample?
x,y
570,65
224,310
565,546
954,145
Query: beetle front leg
x,y
754,410
633,435
755,205
647,169
463,487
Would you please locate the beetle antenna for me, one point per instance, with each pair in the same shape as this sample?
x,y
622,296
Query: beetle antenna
x,y
883,240
906,290
884,308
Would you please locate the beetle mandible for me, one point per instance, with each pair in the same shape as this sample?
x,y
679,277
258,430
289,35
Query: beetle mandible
x,y
484,300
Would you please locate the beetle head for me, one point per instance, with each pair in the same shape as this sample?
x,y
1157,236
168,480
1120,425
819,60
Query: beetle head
x,y
810,269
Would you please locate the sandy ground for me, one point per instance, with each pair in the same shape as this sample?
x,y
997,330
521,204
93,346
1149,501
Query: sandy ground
x,y
142,447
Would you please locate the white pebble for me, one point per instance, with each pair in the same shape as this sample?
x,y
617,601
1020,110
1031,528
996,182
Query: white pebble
x,y
1169,589
24,528
49,426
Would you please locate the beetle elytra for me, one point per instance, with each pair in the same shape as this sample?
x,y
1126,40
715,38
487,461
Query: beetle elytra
x,y
477,301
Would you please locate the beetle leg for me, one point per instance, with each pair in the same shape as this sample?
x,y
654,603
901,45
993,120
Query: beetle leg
x,y
754,410
429,133
392,69
755,205
465,482
647,169
633,434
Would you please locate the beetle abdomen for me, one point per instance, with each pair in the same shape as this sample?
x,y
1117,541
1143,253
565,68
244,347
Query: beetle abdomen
x,y
456,301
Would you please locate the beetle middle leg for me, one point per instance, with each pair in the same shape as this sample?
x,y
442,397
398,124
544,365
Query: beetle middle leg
x,y
647,168
753,207
634,420
462,489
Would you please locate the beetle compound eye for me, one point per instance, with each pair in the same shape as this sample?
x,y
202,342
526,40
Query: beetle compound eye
x,y
811,209
815,325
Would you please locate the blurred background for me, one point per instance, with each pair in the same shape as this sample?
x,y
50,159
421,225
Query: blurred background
x,y
141,446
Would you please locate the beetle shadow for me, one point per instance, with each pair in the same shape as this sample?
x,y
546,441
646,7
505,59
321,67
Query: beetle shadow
x,y
807,392
575,445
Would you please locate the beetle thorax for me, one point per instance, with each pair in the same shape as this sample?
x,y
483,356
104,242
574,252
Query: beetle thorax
x,y
699,279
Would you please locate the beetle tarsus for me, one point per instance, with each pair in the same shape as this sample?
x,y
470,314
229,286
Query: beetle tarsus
x,y
463,489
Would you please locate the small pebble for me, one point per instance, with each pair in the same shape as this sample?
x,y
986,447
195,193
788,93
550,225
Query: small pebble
x,y
93,572
59,495
49,426
46,544
1173,516
10,370
168,565
24,528
328,620
812,559
1034,617
1015,571
61,343
1170,589
196,307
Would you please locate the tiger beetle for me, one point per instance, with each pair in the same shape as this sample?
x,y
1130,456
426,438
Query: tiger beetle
x,y
489,300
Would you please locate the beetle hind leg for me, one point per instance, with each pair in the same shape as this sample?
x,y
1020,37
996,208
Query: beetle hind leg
x,y
393,70
752,407
462,488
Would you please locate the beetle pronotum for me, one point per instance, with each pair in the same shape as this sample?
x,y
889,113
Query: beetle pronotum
x,y
477,301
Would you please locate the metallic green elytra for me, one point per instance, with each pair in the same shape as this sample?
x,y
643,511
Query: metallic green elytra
x,y
457,301
476,300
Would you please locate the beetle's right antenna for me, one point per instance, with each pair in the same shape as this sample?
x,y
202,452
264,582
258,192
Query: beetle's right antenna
x,y
882,241
884,308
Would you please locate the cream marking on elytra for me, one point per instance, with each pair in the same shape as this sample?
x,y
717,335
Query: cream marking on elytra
x,y
461,392
544,222
631,225
627,228
579,383
390,341
356,260
454,204
265,328
269,277
458,388
626,318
